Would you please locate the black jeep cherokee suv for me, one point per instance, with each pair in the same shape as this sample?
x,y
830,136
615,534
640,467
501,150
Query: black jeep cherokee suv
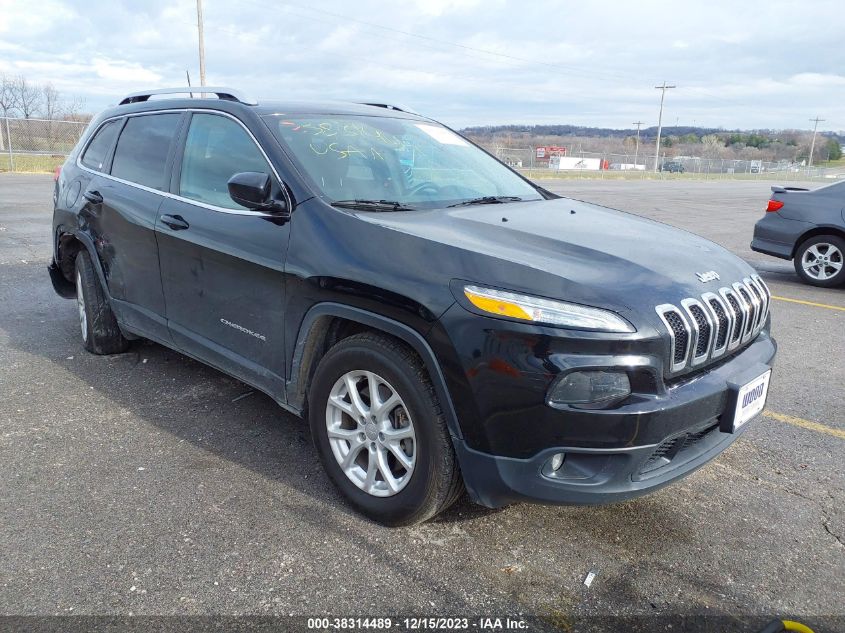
x,y
441,321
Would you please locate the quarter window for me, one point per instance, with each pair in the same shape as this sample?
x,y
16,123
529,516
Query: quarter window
x,y
142,149
98,149
216,149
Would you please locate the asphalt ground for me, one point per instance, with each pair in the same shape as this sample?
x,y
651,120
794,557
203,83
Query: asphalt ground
x,y
147,483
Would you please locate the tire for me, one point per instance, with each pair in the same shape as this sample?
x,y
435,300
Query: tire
x,y
415,494
100,331
820,261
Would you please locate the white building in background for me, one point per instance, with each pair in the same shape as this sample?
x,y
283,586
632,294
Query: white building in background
x,y
575,163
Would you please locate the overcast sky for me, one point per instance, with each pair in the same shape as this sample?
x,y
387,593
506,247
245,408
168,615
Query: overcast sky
x,y
740,63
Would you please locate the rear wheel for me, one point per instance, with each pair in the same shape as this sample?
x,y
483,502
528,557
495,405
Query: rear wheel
x,y
820,261
380,433
100,332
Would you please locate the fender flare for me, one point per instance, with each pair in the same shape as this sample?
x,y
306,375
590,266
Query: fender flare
x,y
310,331
88,243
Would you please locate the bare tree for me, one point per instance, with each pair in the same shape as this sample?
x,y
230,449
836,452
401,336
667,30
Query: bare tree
x,y
29,95
8,104
8,96
52,102
711,144
73,109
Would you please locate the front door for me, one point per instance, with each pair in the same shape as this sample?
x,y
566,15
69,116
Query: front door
x,y
222,264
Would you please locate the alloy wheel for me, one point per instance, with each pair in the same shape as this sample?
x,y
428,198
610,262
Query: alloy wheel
x,y
80,303
822,261
371,433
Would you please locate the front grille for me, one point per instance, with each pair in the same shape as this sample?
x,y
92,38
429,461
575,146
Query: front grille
x,y
751,310
681,336
703,330
722,322
757,293
738,316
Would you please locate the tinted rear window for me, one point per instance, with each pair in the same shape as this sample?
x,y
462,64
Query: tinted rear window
x,y
142,149
100,145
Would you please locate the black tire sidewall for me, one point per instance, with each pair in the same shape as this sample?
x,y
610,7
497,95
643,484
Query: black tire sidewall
x,y
84,271
836,280
418,497
104,335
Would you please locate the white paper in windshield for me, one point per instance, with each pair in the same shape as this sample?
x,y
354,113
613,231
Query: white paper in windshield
x,y
442,135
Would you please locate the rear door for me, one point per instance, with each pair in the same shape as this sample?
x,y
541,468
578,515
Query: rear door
x,y
222,265
121,206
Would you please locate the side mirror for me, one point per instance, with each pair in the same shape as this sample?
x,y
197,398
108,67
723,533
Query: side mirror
x,y
252,190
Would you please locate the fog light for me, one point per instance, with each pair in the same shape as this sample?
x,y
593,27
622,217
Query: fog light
x,y
557,461
590,389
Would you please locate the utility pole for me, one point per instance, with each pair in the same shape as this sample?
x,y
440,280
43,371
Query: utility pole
x,y
201,43
664,88
637,146
816,122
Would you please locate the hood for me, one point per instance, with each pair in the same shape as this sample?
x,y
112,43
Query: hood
x,y
597,255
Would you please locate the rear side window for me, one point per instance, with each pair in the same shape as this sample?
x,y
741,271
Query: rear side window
x,y
142,149
98,148
216,149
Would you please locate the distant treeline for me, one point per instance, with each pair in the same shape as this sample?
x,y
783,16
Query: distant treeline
x,y
756,137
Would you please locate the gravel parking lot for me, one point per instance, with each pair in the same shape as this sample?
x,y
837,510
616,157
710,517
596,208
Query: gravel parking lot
x,y
147,483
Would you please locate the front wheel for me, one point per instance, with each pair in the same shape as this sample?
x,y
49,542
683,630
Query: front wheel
x,y
380,432
820,261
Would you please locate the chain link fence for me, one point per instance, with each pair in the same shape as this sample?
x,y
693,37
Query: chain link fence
x,y
578,163
36,144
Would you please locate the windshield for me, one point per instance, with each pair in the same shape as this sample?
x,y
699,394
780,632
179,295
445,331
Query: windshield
x,y
399,162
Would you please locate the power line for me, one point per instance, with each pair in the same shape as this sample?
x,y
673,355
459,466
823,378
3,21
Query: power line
x,y
663,88
815,122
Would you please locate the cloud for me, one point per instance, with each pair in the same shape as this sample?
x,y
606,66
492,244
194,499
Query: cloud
x,y
465,62
33,19
124,72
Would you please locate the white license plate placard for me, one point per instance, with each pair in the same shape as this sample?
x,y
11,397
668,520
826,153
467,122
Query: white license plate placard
x,y
751,398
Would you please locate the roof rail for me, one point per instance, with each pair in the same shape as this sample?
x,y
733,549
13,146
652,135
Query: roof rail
x,y
390,106
226,94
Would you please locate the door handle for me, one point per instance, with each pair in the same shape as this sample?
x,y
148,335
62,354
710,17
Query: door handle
x,y
175,222
93,197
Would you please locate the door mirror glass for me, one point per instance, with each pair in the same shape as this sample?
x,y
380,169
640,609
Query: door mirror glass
x,y
252,189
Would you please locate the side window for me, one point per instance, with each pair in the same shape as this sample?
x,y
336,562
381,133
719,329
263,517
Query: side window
x,y
216,149
142,149
99,147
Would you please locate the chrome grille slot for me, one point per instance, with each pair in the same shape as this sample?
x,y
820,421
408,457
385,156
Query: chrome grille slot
x,y
702,330
748,307
738,316
721,322
756,294
765,297
679,334
705,328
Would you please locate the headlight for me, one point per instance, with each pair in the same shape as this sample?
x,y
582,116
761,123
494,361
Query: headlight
x,y
536,310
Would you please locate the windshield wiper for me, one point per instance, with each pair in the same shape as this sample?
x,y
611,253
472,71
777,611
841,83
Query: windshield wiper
x,y
372,205
488,200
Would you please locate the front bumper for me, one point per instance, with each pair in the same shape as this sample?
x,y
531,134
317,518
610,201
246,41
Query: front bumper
x,y
690,412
